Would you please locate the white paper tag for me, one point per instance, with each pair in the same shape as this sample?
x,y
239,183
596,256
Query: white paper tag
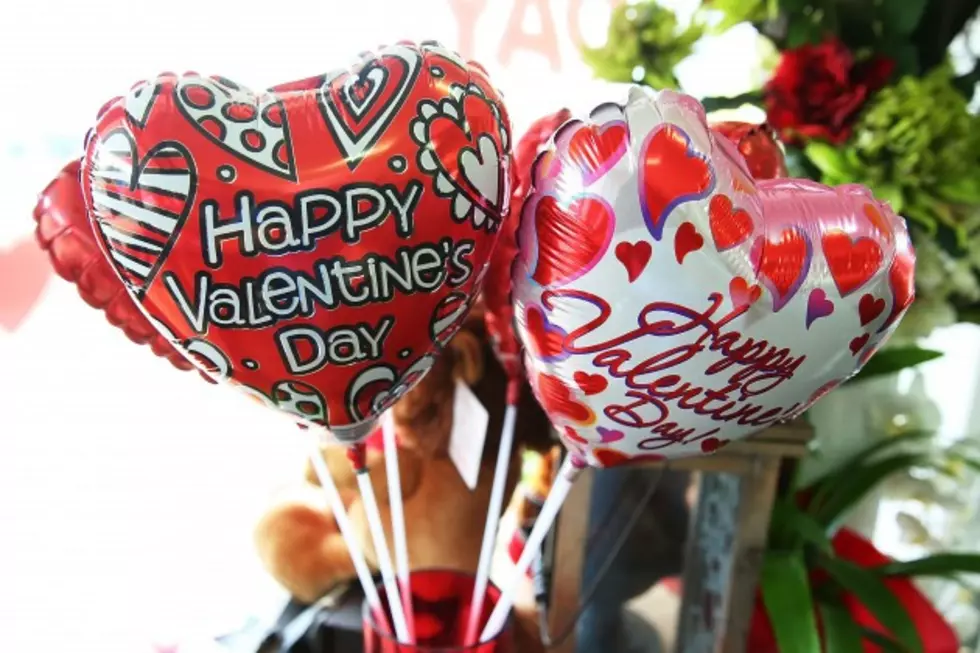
x,y
469,434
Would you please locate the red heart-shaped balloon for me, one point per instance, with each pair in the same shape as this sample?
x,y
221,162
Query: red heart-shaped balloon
x,y
63,229
307,239
499,309
758,144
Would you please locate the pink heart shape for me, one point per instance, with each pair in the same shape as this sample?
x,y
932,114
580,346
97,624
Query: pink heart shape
x,y
609,436
818,306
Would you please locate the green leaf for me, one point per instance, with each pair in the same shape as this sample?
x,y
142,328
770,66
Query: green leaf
x,y
786,594
882,641
841,634
890,193
941,564
792,527
965,190
906,58
850,489
801,32
870,590
901,18
738,11
920,214
824,485
798,165
889,361
718,103
862,457
830,160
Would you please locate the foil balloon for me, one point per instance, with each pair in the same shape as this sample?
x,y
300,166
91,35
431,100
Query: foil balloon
x,y
319,241
669,303
64,231
758,145
499,315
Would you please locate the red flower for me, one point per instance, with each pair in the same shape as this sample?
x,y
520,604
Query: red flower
x,y
818,90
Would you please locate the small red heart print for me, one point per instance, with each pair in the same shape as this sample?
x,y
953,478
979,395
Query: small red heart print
x,y
557,400
782,263
852,263
671,172
594,149
686,240
729,226
901,281
614,457
590,384
869,308
634,257
573,435
858,343
546,339
571,239
743,295
712,444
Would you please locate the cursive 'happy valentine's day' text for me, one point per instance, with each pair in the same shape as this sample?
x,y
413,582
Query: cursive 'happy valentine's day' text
x,y
746,368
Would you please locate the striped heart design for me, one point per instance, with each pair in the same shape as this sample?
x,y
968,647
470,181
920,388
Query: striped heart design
x,y
140,204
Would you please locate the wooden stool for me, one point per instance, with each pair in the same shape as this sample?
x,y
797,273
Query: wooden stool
x,y
725,547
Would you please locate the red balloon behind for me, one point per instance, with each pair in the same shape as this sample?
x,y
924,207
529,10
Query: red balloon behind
x,y
758,144
64,231
499,314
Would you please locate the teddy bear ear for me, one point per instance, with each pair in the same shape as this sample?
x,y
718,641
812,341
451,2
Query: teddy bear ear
x,y
467,353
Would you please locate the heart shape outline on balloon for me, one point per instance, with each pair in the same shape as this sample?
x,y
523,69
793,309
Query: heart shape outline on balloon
x,y
590,150
782,265
251,126
669,155
852,262
132,218
401,66
566,239
481,190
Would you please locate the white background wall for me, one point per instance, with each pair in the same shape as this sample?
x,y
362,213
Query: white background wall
x,y
128,490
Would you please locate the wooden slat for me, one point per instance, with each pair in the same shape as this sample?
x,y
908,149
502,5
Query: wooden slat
x,y
573,529
755,462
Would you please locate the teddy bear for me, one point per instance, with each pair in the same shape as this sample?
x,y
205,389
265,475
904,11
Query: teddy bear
x,y
297,539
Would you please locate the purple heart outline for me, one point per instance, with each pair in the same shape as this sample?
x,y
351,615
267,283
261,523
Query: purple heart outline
x,y
609,435
755,256
655,223
546,328
608,163
817,306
